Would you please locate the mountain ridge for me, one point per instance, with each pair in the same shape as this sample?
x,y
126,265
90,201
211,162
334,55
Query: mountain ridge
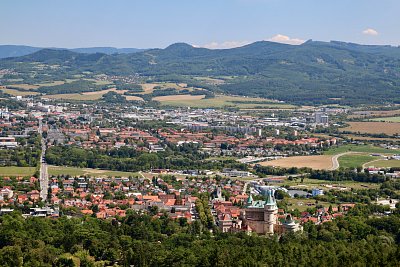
x,y
314,72
7,51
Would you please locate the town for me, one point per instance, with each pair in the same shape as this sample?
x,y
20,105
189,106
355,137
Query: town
x,y
217,161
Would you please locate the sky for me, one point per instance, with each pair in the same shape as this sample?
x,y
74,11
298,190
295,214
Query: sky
x,y
204,23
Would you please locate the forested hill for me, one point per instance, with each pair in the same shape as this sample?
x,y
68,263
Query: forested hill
x,y
312,73
7,51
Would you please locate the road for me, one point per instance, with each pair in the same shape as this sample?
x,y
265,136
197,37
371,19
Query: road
x,y
44,176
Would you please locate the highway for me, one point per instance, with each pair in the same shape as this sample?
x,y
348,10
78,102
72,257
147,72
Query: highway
x,y
44,177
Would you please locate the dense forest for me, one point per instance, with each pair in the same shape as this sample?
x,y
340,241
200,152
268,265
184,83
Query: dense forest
x,y
128,159
311,73
143,240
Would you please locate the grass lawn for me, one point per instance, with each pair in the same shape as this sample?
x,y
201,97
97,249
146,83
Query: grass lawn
x,y
354,160
303,204
73,171
360,148
17,171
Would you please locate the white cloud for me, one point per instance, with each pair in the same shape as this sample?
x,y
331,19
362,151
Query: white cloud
x,y
223,45
279,38
370,31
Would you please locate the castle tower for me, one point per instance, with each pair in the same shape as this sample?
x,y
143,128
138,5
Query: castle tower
x,y
270,213
249,201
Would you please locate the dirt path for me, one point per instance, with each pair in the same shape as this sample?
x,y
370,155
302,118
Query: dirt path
x,y
365,165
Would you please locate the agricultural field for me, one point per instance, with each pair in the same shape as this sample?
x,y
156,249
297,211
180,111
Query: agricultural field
x,y
24,86
168,99
90,96
17,171
375,113
320,162
220,101
72,171
14,92
387,119
373,127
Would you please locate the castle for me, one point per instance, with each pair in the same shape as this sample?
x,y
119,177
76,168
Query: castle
x,y
259,217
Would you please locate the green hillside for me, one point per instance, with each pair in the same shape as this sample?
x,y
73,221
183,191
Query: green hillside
x,y
312,73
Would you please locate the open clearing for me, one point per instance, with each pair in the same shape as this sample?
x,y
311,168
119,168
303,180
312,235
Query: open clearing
x,y
133,98
148,88
210,80
389,128
57,170
320,162
17,171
